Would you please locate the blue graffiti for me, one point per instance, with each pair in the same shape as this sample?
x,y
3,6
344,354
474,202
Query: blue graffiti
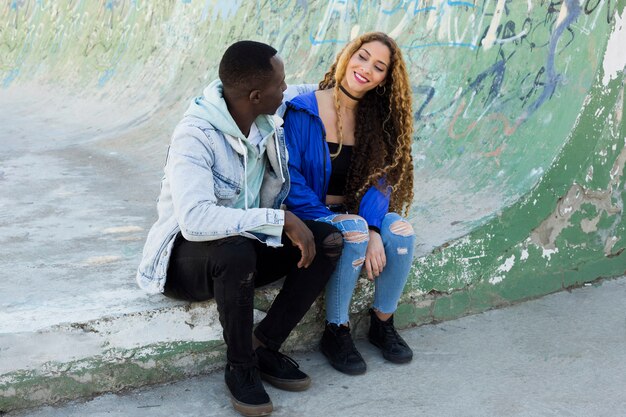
x,y
552,77
429,92
108,74
404,5
496,71
460,4
315,41
10,77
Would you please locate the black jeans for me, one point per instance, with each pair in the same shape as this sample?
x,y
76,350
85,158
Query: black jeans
x,y
230,269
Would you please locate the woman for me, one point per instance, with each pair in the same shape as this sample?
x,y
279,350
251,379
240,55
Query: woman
x,y
350,165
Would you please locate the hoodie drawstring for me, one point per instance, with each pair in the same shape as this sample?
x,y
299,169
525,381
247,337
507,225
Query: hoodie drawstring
x,y
245,172
280,164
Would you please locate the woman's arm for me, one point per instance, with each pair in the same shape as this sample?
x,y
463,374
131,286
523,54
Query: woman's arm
x,y
375,205
302,199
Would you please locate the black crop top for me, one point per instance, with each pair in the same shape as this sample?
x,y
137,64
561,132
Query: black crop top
x,y
340,167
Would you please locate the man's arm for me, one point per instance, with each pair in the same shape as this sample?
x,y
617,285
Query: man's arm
x,y
300,236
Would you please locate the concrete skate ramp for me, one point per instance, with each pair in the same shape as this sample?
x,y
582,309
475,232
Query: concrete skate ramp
x,y
519,147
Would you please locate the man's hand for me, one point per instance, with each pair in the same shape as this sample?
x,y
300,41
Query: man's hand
x,y
375,259
300,236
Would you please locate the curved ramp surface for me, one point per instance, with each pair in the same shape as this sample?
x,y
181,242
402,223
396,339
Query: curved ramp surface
x,y
519,146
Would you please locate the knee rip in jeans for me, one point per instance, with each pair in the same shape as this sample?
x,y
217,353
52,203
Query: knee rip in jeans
x,y
358,262
332,245
401,228
356,237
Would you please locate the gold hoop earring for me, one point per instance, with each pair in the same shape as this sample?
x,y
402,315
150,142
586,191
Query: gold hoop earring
x,y
379,91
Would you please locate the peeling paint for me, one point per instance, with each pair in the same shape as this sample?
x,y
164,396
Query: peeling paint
x,y
546,234
590,225
496,280
508,264
589,175
614,57
547,253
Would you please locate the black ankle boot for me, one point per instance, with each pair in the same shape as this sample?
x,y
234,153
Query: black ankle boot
x,y
338,347
383,335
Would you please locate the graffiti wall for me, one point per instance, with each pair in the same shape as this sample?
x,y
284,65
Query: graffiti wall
x,y
517,104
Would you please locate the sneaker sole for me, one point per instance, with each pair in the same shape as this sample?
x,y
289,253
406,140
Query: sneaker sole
x,y
252,410
294,385
391,358
344,370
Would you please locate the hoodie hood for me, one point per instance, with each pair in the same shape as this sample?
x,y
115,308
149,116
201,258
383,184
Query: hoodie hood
x,y
211,106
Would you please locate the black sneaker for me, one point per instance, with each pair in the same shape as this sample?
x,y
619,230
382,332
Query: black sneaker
x,y
383,335
338,347
246,391
281,371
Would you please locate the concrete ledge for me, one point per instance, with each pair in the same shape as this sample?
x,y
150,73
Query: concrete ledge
x,y
116,353
110,354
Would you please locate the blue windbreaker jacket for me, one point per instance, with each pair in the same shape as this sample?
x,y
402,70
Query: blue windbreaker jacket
x,y
310,166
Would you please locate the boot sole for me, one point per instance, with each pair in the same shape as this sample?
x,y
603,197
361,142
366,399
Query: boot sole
x,y
294,385
391,358
344,370
252,410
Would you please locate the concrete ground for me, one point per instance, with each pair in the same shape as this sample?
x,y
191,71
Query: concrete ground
x,y
561,355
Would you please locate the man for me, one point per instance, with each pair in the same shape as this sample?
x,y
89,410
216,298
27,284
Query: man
x,y
221,233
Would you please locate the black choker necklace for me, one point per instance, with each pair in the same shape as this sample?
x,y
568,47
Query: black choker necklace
x,y
343,90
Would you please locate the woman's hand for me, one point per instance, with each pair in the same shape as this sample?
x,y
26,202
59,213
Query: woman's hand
x,y
375,259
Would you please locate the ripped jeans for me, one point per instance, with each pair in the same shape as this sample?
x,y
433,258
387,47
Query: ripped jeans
x,y
389,284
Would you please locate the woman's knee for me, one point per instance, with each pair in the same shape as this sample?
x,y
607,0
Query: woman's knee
x,y
353,228
397,229
355,237
401,227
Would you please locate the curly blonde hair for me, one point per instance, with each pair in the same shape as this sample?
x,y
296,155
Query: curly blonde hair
x,y
384,128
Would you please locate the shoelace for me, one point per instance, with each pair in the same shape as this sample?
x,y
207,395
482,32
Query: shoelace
x,y
391,335
284,361
249,378
347,344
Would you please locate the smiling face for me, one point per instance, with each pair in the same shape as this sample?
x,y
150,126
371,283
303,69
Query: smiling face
x,y
367,68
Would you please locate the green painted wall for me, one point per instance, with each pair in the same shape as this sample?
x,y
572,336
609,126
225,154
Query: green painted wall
x,y
519,147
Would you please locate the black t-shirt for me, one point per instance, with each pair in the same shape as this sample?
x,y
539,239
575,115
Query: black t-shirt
x,y
340,168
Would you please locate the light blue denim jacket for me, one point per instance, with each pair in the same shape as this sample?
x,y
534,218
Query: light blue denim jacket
x,y
204,174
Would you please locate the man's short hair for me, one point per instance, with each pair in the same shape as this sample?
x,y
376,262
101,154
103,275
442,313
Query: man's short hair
x,y
246,62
